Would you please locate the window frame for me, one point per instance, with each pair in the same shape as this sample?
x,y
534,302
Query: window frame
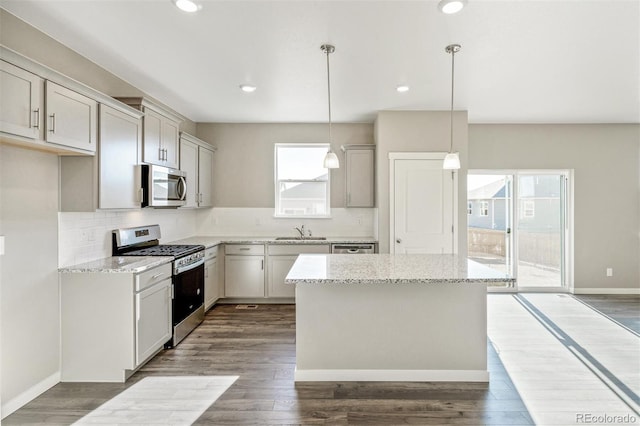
x,y
277,182
484,208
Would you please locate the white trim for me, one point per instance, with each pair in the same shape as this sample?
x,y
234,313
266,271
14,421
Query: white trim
x,y
417,155
30,394
634,291
391,375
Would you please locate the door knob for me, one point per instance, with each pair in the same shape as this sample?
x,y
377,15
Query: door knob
x,y
398,241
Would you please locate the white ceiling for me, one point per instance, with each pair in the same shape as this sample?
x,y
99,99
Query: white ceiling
x,y
537,61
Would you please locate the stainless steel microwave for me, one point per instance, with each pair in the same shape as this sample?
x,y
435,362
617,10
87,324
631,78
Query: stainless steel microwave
x,y
162,186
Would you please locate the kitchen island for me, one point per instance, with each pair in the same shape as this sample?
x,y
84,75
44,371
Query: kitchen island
x,y
385,317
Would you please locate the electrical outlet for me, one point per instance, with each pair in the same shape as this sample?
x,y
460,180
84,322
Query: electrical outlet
x,y
609,272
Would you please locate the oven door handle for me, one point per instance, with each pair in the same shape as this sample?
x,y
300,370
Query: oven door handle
x,y
182,184
182,269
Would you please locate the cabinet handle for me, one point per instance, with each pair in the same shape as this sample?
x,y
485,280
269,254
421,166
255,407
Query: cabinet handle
x,y
398,240
138,307
140,194
37,120
53,123
160,152
165,155
262,264
157,275
244,248
206,272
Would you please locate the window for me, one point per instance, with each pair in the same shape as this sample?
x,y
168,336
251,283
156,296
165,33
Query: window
x,y
528,208
302,183
469,208
484,208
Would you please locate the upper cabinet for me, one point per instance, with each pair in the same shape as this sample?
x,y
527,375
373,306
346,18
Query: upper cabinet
x,y
196,158
72,118
110,179
161,128
359,175
21,102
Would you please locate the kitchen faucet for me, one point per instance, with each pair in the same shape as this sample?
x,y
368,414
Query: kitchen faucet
x,y
300,231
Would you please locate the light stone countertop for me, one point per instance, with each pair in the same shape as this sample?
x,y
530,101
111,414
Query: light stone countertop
x,y
118,264
390,268
214,241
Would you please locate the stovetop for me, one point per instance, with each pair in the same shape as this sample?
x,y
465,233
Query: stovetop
x,y
175,250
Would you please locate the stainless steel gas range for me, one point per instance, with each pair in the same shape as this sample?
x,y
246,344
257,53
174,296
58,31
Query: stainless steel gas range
x,y
187,279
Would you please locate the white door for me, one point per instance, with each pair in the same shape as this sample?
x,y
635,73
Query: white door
x,y
422,203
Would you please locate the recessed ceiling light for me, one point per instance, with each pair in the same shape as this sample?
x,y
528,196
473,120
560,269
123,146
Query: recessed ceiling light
x,y
248,88
451,6
402,88
187,5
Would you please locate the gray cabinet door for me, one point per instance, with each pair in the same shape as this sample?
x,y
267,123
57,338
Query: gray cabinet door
x,y
21,107
72,118
205,177
244,276
169,142
153,319
279,267
119,154
360,178
152,137
189,164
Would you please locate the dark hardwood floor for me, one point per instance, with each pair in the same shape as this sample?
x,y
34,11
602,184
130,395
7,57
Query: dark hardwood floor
x,y
623,308
258,346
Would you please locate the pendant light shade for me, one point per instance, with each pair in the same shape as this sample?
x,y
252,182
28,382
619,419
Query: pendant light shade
x,y
452,159
331,159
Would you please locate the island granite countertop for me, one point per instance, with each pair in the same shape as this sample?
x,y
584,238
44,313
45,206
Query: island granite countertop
x,y
391,268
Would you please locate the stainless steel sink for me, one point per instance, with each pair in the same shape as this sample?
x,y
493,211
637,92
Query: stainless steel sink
x,y
301,239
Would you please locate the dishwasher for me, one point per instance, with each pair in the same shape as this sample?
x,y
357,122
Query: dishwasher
x,y
366,248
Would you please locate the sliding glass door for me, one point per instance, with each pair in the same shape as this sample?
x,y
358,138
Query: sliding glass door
x,y
518,223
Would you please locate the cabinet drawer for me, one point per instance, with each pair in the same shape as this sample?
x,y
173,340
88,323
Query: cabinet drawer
x,y
210,253
246,249
295,249
152,276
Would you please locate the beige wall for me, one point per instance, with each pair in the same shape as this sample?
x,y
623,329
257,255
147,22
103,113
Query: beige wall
x,y
606,161
29,310
30,42
243,163
418,131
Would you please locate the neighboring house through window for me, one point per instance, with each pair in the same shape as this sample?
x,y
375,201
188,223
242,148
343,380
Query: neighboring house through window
x,y
301,181
528,208
469,208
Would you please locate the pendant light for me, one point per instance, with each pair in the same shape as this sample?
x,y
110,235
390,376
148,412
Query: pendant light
x,y
331,159
452,159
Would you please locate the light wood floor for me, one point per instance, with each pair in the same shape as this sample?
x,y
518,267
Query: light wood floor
x,y
258,346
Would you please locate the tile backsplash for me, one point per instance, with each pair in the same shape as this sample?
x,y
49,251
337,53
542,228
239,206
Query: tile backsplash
x,y
260,222
83,237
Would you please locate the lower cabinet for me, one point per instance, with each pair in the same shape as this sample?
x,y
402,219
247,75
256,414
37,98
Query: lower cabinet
x,y
281,259
244,270
213,277
112,323
153,319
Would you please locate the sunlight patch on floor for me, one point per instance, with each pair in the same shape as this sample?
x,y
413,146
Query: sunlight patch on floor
x,y
579,364
161,400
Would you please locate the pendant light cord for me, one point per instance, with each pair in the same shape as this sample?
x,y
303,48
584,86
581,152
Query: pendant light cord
x,y
328,51
453,54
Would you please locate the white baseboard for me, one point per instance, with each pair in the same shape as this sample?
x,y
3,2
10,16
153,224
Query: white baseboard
x,y
391,375
606,291
30,394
